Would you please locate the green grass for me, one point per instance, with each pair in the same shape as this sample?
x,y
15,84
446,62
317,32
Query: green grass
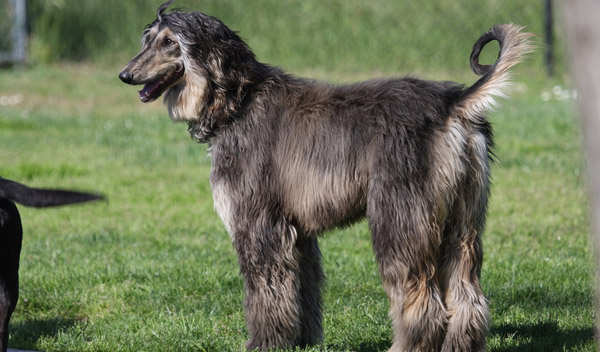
x,y
152,269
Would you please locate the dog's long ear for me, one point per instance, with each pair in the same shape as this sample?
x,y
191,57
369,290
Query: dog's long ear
x,y
40,198
161,10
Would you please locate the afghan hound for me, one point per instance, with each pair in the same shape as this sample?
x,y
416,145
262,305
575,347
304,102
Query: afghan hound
x,y
11,235
292,158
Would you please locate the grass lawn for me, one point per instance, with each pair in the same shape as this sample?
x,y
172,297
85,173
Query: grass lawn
x,y
152,269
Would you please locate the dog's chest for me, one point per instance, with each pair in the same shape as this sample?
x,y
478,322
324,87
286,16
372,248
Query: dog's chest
x,y
239,178
222,184
223,204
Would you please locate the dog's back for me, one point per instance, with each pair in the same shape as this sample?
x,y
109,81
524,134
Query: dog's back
x,y
326,143
327,140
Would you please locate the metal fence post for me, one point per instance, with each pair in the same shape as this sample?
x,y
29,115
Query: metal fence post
x,y
549,36
19,32
16,53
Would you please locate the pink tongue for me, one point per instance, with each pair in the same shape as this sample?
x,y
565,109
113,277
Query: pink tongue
x,y
148,88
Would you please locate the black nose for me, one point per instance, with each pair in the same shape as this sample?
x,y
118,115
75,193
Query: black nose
x,y
126,76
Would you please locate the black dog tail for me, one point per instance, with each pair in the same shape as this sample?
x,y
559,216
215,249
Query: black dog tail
x,y
40,198
480,97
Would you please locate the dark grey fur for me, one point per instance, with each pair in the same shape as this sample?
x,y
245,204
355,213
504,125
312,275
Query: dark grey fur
x,y
11,235
293,158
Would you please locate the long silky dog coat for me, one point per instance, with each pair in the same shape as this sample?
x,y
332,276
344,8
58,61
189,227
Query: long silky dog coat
x,y
292,158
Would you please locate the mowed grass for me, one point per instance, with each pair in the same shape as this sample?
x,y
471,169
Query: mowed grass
x,y
152,268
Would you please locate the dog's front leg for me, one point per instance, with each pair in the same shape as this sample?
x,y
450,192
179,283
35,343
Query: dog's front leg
x,y
269,262
311,277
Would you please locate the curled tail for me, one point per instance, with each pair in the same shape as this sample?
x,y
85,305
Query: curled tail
x,y
39,198
514,45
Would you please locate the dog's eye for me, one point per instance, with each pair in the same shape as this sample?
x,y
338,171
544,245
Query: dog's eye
x,y
168,41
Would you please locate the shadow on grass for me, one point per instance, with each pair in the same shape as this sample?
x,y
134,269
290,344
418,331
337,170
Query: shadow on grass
x,y
373,346
543,336
25,335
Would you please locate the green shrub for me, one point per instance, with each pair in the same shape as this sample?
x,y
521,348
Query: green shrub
x,y
345,35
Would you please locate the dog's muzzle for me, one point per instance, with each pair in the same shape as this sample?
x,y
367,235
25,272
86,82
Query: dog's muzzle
x,y
156,87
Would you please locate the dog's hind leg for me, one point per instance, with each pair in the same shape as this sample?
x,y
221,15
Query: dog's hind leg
x,y
269,262
311,278
5,313
4,318
467,306
461,267
405,244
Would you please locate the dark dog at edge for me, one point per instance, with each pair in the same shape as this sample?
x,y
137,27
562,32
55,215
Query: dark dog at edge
x,y
11,235
293,158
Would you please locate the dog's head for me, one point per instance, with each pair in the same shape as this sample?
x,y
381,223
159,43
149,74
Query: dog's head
x,y
199,64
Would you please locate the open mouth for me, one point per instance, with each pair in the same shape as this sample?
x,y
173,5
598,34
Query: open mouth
x,y
154,89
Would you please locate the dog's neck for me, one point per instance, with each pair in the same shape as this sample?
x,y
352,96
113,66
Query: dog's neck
x,y
215,115
224,106
201,131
